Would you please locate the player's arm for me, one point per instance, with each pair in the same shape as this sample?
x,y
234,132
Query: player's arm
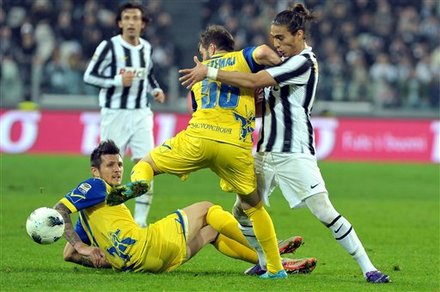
x,y
79,252
102,59
71,255
264,55
156,91
238,79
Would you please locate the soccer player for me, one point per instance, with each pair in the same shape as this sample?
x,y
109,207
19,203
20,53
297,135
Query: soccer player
x,y
219,137
286,152
108,237
123,68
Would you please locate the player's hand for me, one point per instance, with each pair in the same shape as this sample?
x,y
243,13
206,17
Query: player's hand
x,y
127,79
194,75
159,96
95,254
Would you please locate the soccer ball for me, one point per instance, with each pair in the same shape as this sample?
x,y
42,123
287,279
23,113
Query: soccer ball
x,y
45,225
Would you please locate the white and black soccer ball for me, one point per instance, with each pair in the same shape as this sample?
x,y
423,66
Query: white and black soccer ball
x,y
45,225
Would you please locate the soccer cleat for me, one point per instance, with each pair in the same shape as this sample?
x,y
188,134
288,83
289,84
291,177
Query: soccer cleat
x,y
290,245
256,270
377,277
299,266
281,274
120,194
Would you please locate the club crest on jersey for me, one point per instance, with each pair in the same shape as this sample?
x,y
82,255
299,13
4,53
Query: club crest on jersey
x,y
84,188
120,245
246,125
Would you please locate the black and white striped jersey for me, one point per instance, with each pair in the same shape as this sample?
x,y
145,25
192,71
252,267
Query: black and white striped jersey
x,y
114,57
286,125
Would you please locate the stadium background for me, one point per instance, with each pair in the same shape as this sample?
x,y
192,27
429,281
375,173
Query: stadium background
x,y
378,100
378,59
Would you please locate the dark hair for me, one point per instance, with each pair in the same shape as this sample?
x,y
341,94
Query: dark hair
x,y
219,36
131,5
105,147
294,18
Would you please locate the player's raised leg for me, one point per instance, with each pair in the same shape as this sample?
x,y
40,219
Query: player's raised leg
x,y
142,170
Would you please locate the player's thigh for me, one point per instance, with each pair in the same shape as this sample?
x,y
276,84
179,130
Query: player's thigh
x,y
180,155
298,176
265,173
114,127
196,215
235,166
167,240
142,138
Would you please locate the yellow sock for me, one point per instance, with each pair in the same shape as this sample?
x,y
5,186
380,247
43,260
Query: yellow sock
x,y
235,250
142,171
265,234
225,223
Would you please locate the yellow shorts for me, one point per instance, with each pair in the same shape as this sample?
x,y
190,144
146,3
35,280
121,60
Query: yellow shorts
x,y
166,248
184,154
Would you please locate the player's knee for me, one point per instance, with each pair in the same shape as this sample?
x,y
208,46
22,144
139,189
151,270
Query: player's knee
x,y
241,216
251,200
322,208
211,207
211,235
206,205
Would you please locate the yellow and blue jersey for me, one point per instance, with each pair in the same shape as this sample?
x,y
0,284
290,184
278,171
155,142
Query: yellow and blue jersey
x,y
221,112
127,247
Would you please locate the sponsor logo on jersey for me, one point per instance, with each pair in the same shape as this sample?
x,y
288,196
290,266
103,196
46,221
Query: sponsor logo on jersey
x,y
137,72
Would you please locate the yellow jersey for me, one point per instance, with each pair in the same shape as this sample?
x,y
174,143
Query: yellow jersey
x,y
127,247
221,112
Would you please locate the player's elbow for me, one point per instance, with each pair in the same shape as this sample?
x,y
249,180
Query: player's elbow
x,y
266,56
68,257
86,78
68,253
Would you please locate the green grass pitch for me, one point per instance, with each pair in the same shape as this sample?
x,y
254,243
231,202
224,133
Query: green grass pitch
x,y
393,207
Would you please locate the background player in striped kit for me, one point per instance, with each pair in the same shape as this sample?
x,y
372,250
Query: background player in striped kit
x,y
286,152
123,68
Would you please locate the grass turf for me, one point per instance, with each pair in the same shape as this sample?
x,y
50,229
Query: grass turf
x,y
393,207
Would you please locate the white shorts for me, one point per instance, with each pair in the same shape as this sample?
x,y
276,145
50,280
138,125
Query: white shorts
x,y
297,175
129,128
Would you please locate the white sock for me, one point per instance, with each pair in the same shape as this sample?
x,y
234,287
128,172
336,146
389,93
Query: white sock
x,y
342,230
142,207
248,232
347,237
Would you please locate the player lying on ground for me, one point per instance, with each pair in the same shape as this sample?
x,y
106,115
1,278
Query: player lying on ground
x,y
107,236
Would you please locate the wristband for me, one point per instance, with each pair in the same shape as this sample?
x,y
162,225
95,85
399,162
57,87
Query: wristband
x,y
212,73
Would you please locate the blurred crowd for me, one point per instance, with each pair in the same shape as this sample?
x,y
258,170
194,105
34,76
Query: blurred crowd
x,y
56,39
386,52
382,51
